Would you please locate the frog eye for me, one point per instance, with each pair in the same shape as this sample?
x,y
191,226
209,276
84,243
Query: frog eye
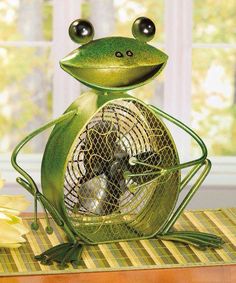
x,y
143,29
81,31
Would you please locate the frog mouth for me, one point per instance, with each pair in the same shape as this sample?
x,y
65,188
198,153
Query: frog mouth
x,y
114,77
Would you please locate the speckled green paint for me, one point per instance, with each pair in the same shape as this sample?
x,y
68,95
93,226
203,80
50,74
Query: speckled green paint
x,y
96,65
107,72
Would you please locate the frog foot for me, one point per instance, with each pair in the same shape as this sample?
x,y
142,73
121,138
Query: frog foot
x,y
199,240
62,254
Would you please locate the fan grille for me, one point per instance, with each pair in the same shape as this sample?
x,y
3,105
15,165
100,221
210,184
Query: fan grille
x,y
106,208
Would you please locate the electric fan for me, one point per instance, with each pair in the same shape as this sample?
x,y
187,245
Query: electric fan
x,y
110,170
113,180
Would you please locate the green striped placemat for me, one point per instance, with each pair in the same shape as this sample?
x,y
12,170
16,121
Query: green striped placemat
x,y
143,254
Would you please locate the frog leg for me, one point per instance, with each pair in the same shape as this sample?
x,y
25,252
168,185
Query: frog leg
x,y
199,239
29,184
63,253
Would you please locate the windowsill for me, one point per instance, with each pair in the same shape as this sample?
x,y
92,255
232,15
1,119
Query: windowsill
x,y
223,172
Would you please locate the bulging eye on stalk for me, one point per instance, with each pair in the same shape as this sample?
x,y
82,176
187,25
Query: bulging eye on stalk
x,y
143,29
81,31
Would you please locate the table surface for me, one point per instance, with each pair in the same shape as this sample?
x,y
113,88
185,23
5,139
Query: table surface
x,y
203,274
214,274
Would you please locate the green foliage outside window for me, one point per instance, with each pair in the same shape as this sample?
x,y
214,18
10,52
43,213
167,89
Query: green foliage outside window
x,y
25,84
214,75
26,72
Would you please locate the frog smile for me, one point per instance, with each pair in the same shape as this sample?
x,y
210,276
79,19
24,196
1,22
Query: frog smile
x,y
114,63
113,76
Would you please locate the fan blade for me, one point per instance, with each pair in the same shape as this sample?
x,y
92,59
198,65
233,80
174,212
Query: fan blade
x,y
99,147
149,157
102,185
99,196
117,183
114,191
91,195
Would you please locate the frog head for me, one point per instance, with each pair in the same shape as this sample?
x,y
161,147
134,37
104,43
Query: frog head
x,y
114,63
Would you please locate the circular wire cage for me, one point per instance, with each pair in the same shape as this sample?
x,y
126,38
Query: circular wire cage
x,y
100,202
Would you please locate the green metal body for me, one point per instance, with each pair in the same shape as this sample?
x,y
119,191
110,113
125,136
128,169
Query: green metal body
x,y
95,65
112,66
56,156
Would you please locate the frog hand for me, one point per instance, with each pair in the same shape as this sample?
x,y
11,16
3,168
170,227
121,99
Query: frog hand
x,y
63,254
197,239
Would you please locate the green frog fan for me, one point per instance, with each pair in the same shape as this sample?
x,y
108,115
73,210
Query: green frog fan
x,y
110,171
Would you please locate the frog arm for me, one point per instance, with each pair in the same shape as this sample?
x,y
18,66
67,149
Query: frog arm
x,y
160,170
196,238
200,142
30,185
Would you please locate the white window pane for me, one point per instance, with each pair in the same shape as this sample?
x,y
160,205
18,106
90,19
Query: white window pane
x,y
25,94
214,99
25,20
214,21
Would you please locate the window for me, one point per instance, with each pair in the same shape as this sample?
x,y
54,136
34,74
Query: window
x,y
214,79
25,58
198,37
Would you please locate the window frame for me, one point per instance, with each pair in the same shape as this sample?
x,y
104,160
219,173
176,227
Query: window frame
x,y
177,90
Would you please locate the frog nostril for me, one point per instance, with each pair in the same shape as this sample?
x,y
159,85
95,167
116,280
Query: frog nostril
x,y
119,54
129,53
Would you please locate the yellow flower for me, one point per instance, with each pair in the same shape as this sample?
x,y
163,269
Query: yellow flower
x,y
11,225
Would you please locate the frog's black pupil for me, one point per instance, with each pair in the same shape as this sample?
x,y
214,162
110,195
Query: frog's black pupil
x,y
129,53
147,27
83,29
119,54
